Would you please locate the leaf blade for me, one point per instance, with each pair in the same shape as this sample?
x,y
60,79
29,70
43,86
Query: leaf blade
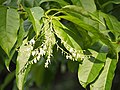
x,y
23,56
91,67
9,27
104,81
91,29
59,28
35,14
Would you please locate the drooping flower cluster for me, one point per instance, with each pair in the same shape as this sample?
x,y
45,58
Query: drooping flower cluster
x,y
46,48
47,45
72,53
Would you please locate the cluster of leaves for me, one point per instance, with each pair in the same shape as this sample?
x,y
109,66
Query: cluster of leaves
x,y
83,30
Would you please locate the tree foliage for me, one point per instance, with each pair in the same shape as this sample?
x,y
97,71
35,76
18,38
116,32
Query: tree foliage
x,y
84,31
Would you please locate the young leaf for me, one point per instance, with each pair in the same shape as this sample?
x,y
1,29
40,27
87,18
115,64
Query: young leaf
x,y
23,56
9,25
104,81
35,14
92,66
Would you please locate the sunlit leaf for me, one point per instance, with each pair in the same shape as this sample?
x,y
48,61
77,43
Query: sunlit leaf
x,y
91,67
35,14
88,5
20,37
75,9
69,39
9,25
104,81
23,56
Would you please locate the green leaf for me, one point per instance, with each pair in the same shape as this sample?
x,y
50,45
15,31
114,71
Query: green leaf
x,y
61,2
88,5
21,34
113,24
84,38
20,37
100,24
76,2
92,66
78,11
35,14
23,56
90,29
29,3
65,34
40,76
72,66
104,81
9,25
110,2
19,2
8,59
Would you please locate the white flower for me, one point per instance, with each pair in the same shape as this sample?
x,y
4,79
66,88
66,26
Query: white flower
x,y
74,54
44,47
35,60
67,57
36,52
42,52
28,49
38,57
46,65
48,60
32,41
71,50
31,62
33,53
82,57
70,57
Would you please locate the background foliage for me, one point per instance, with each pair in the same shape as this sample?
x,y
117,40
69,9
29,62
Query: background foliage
x,y
43,42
